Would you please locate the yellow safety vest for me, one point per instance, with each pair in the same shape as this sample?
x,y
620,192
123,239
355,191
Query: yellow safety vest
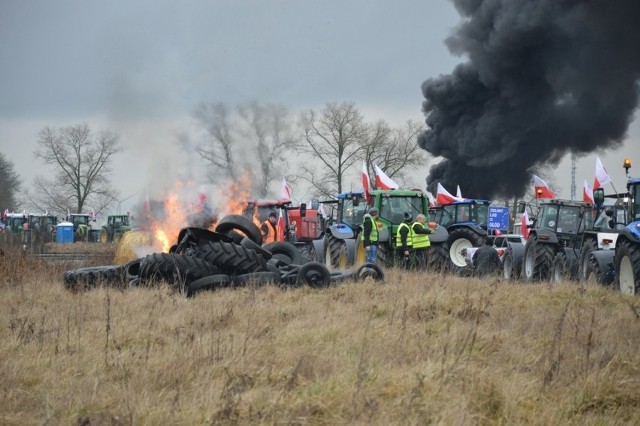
x,y
399,238
373,237
419,240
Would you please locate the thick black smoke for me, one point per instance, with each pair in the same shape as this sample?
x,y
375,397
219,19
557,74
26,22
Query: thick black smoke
x,y
543,77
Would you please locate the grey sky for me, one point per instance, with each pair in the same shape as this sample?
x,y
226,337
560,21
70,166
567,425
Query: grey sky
x,y
140,68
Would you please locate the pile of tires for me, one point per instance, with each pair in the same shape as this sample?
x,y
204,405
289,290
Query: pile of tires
x,y
231,256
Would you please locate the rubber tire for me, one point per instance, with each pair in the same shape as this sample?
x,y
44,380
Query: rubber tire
x,y
627,264
472,240
438,257
487,262
342,276
538,259
242,224
264,277
248,243
509,269
314,274
369,270
594,275
307,251
177,269
588,246
333,252
191,236
211,282
86,278
232,259
561,268
285,251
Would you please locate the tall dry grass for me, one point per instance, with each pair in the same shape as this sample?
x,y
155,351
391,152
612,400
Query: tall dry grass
x,y
417,349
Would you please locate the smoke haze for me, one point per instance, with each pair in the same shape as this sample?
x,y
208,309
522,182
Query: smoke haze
x,y
542,78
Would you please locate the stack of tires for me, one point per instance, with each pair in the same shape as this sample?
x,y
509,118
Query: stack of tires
x,y
200,260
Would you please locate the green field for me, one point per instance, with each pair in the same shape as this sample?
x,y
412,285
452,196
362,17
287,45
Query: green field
x,y
417,349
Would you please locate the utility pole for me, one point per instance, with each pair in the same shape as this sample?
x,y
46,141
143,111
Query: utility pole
x,y
573,176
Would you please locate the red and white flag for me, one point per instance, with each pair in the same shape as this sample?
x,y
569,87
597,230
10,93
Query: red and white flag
x,y
458,192
444,197
524,221
93,215
382,180
5,214
602,177
366,183
542,190
432,201
286,190
587,193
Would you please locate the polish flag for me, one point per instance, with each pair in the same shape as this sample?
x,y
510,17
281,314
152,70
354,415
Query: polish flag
x,y
524,221
323,211
542,190
366,183
93,215
443,196
602,177
5,214
587,193
458,192
382,180
432,202
286,190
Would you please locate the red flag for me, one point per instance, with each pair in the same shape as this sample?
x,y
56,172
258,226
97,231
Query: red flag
x,y
382,180
602,177
587,193
542,190
444,197
366,183
286,190
524,221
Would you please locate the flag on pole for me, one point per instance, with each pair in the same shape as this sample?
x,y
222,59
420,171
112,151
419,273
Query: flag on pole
x,y
93,215
458,192
68,214
5,214
323,211
432,201
286,190
444,197
587,193
542,190
382,180
602,177
366,183
524,221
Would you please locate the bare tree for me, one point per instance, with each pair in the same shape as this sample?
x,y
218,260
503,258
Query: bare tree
x,y
334,138
9,184
270,129
218,150
396,151
82,168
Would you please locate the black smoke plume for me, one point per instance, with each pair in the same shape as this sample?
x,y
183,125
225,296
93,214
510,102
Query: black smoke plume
x,y
542,78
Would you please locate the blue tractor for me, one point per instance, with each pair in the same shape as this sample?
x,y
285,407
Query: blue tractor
x,y
627,253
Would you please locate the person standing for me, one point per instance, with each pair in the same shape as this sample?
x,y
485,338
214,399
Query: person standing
x,y
370,235
269,228
420,238
404,241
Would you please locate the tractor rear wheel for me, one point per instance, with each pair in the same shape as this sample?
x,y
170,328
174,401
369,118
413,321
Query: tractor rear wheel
x,y
334,251
509,269
437,257
561,268
594,274
538,259
460,239
627,263
588,246
487,262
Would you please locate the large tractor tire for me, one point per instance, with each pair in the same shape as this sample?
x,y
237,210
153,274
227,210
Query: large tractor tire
x,y
307,251
231,258
177,269
335,253
240,223
627,264
212,282
561,269
438,257
285,251
538,260
594,274
247,242
86,278
486,262
588,246
104,235
386,255
510,271
460,239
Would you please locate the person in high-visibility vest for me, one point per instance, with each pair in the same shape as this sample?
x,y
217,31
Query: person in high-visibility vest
x,y
404,241
269,228
420,238
370,235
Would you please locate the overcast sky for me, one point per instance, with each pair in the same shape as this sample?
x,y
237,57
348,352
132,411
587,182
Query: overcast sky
x,y
140,68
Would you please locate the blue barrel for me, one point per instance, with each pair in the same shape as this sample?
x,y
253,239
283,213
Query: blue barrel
x,y
64,232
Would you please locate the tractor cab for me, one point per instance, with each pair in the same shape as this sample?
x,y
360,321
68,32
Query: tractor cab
x,y
474,211
566,219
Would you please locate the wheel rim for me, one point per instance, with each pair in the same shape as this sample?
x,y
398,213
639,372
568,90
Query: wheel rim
x,y
103,236
627,284
455,251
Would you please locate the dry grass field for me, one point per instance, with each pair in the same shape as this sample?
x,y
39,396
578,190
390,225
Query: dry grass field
x,y
417,349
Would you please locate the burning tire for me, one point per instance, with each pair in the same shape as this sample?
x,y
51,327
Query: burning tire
x,y
314,274
249,244
231,258
627,264
487,262
285,251
242,224
175,268
190,236
211,282
538,259
86,278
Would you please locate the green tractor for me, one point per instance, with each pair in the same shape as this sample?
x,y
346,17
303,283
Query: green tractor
x,y
81,226
343,245
115,227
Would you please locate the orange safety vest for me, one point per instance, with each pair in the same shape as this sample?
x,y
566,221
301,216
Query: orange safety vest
x,y
272,233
